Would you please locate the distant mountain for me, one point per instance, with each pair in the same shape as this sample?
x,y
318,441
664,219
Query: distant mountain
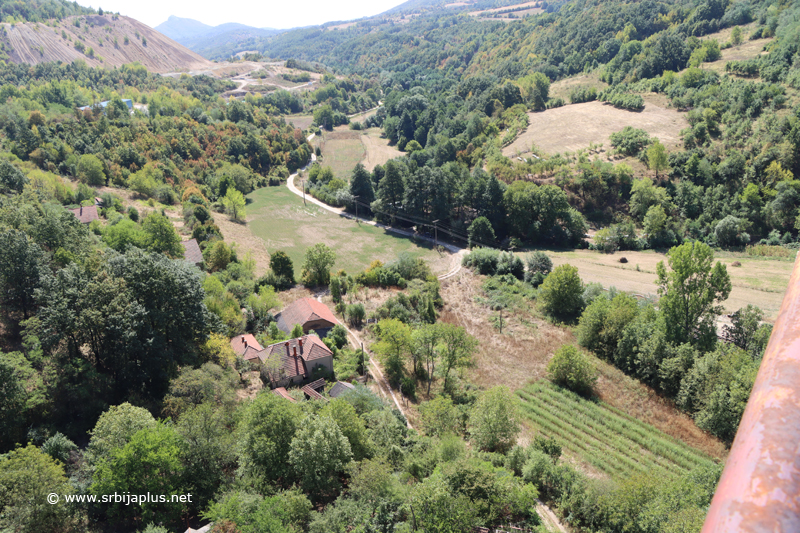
x,y
178,29
99,40
214,42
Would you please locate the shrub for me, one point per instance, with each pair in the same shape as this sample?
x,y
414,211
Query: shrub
x,y
508,263
355,314
561,293
630,141
484,260
572,369
539,266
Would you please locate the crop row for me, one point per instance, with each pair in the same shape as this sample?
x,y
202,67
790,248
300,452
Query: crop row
x,y
605,437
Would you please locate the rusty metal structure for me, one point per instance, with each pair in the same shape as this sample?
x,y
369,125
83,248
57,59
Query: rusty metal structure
x,y
760,486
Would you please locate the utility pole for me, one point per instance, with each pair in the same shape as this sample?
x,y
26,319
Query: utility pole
x,y
363,367
303,185
436,233
355,201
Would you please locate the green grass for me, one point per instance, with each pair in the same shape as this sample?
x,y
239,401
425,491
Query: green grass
x,y
342,151
604,436
278,217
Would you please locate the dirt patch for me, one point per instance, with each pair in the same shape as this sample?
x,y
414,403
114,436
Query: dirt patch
x,y
378,151
253,386
576,126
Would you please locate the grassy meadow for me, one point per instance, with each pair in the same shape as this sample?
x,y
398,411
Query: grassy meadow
x,y
279,220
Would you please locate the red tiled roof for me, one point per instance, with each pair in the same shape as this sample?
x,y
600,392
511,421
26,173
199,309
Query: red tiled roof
x,y
311,393
247,346
86,214
303,311
283,393
295,353
192,251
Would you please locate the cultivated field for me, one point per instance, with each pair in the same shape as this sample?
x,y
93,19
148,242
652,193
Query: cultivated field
x,y
520,354
378,151
602,436
278,220
759,281
341,150
575,126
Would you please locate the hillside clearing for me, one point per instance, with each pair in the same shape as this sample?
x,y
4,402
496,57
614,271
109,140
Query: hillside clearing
x,y
520,354
378,151
576,126
341,150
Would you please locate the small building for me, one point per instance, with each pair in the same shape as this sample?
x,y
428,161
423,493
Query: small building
x,y
246,346
102,105
192,253
339,388
310,314
86,214
296,360
283,393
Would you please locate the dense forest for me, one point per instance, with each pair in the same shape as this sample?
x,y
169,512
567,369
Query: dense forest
x,y
117,374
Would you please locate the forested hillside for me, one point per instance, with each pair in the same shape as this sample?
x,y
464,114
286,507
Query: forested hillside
x,y
118,373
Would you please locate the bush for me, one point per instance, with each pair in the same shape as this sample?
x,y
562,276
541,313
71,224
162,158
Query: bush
x,y
572,369
355,314
484,260
539,266
630,141
561,293
508,263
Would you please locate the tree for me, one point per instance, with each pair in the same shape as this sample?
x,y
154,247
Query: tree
x,y
736,36
22,265
319,454
572,369
394,345
234,203
561,293
424,341
434,507
90,170
456,350
161,237
535,89
480,232
691,293
657,157
266,430
440,417
124,233
281,265
391,187
361,185
318,262
115,428
539,265
148,463
351,426
494,420
27,476
11,178
220,256
603,322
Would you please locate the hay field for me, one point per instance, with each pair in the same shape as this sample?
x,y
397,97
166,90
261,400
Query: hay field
x,y
341,149
278,220
378,151
575,126
300,121
759,281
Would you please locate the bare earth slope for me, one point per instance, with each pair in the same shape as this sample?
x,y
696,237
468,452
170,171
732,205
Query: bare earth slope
x,y
34,43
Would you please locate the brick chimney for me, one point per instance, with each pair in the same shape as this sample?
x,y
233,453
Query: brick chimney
x,y
295,351
300,343
81,210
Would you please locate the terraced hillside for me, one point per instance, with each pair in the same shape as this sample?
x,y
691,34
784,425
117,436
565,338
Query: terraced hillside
x,y
603,436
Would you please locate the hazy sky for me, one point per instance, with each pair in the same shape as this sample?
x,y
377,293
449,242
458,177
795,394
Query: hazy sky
x,y
265,14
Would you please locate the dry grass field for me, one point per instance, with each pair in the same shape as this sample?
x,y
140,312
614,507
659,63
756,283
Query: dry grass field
x,y
378,151
520,354
759,281
300,121
573,127
562,88
341,149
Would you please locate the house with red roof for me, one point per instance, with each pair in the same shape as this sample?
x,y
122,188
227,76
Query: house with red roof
x,y
310,314
295,361
246,346
86,214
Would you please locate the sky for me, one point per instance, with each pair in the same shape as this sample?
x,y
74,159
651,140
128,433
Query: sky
x,y
280,14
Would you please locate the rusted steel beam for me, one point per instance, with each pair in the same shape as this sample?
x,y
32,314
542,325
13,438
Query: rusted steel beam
x,y
760,485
